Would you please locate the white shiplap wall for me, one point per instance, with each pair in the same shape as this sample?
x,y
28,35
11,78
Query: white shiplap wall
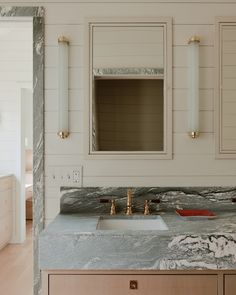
x,y
128,47
16,71
193,161
16,68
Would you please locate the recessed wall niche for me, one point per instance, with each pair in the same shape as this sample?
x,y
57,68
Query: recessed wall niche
x,y
129,115
129,80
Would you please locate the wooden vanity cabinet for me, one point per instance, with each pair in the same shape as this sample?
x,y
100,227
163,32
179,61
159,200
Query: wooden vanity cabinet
x,y
6,210
230,284
129,284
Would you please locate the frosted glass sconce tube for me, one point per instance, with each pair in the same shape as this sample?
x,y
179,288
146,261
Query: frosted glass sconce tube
x,y
193,86
63,116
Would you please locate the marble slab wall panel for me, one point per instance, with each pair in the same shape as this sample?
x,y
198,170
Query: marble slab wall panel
x,y
37,14
86,199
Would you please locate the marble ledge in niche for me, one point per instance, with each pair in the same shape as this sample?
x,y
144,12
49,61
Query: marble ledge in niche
x,y
99,72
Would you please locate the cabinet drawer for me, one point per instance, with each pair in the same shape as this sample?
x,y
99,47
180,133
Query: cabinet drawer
x,y
5,202
5,230
60,284
6,183
230,284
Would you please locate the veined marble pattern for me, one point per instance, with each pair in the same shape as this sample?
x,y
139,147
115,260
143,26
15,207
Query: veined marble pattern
x,y
202,244
128,71
37,13
72,242
86,199
31,11
188,251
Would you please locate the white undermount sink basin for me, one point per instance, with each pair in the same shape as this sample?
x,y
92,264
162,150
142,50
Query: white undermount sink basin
x,y
132,223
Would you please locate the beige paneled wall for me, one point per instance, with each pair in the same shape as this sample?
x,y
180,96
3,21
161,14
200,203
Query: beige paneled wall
x,y
194,162
128,47
228,80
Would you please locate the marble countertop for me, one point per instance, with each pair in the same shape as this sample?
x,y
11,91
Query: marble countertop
x,y
71,241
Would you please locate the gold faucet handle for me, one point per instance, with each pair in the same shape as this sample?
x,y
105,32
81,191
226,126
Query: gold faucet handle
x,y
146,207
113,205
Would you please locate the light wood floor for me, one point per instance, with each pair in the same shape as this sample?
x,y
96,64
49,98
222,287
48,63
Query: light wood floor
x,y
16,267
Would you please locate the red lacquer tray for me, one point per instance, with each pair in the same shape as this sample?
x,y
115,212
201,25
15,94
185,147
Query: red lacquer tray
x,y
195,214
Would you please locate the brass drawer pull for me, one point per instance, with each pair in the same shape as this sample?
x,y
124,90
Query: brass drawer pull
x,y
133,285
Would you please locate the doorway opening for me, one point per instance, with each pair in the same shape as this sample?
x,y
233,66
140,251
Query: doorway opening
x,y
16,101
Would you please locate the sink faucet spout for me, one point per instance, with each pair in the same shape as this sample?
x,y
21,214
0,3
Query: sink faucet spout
x,y
129,202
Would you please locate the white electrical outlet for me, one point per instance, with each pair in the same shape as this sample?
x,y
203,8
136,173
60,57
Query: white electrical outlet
x,y
66,176
76,176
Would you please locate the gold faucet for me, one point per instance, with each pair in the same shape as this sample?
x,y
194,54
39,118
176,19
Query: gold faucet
x,y
113,207
146,208
129,202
